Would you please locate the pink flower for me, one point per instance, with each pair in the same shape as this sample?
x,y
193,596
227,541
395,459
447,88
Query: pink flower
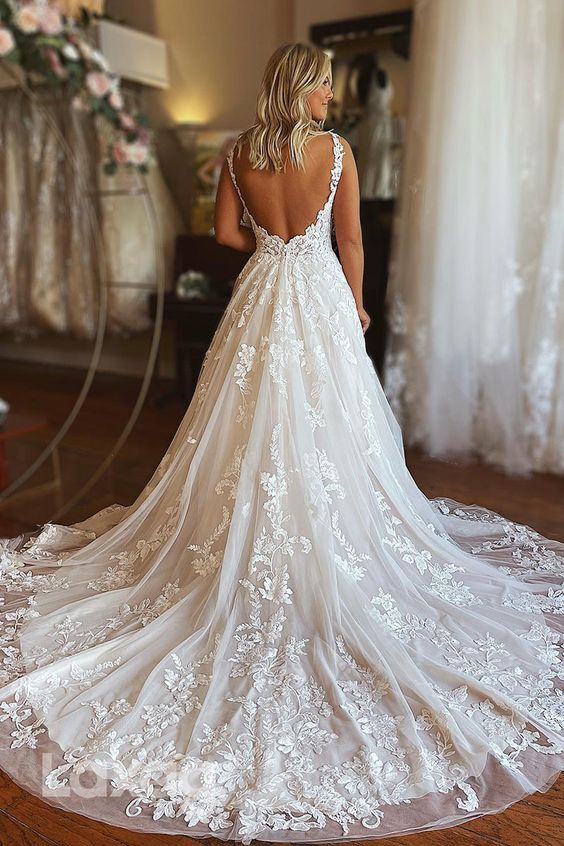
x,y
116,100
28,18
50,20
98,84
127,121
7,42
143,136
55,63
119,153
79,104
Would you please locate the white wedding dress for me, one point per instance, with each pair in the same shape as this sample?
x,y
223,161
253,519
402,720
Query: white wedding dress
x,y
283,638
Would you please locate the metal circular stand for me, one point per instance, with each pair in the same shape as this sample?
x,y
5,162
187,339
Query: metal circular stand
x,y
143,192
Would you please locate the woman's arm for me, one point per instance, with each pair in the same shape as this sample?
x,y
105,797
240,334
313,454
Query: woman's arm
x,y
227,216
346,215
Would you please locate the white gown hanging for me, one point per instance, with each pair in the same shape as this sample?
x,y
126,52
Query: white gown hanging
x,y
375,144
283,638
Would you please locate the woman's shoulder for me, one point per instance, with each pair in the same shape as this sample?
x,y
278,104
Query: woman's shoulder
x,y
340,138
240,139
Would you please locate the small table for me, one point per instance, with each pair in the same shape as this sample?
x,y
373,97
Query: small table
x,y
16,427
195,322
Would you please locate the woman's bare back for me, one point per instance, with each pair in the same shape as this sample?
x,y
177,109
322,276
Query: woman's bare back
x,y
286,203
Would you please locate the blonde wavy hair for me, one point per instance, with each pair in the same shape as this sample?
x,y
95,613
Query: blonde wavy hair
x,y
283,115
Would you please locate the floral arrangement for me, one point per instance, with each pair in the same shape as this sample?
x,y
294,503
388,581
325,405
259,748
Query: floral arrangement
x,y
193,284
39,38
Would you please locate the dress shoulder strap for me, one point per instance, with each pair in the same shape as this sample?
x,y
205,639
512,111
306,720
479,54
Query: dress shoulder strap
x,y
229,158
337,169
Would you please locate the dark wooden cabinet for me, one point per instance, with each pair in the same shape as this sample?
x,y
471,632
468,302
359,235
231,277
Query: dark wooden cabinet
x,y
196,320
376,218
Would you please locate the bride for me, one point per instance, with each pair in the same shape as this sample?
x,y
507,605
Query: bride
x,y
283,638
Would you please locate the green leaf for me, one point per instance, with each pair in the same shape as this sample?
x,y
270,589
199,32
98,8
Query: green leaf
x,y
94,104
56,41
5,11
14,56
76,77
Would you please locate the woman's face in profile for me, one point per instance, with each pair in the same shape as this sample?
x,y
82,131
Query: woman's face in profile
x,y
319,99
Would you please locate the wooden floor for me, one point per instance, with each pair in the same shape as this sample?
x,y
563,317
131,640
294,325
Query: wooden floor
x,y
25,820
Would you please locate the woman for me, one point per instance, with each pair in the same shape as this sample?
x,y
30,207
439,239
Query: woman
x,y
283,638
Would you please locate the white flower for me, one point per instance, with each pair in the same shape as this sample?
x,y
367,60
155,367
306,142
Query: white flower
x,y
28,18
69,51
100,60
137,154
7,42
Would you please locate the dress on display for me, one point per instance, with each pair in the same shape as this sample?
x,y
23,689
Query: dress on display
x,y
283,638
375,144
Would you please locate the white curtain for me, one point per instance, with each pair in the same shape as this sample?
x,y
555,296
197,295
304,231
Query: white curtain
x,y
55,284
476,291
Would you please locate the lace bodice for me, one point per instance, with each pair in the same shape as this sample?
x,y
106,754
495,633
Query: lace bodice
x,y
316,238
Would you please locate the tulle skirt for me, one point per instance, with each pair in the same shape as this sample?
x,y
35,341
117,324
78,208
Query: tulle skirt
x,y
282,638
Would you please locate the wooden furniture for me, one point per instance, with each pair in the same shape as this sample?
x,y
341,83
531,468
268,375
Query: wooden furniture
x,y
376,217
196,320
16,427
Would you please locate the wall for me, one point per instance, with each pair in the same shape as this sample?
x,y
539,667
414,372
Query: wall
x,y
217,52
320,11
218,49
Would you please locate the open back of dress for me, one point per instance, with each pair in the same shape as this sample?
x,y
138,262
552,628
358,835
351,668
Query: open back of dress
x,y
317,233
286,203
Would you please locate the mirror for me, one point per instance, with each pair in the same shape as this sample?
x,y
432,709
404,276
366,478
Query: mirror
x,y
370,84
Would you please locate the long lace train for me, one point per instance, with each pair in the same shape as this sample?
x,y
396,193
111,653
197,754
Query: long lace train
x,y
282,637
